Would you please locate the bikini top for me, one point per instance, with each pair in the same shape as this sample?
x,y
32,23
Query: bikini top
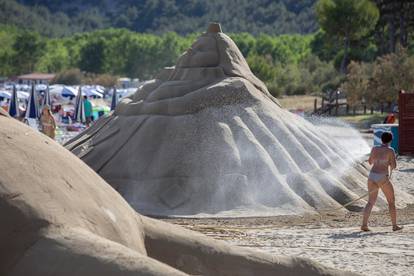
x,y
381,161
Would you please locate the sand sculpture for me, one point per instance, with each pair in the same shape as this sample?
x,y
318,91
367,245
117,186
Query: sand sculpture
x,y
58,217
206,136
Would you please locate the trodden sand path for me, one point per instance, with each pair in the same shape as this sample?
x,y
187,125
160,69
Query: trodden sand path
x,y
380,252
332,239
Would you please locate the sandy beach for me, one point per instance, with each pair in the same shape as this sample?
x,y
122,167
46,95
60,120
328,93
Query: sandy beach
x,y
333,239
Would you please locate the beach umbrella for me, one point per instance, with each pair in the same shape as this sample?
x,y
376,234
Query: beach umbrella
x,y
79,107
114,99
46,98
41,87
68,91
5,94
14,104
23,95
32,106
91,92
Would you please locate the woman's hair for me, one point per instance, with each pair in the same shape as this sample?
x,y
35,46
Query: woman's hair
x,y
386,137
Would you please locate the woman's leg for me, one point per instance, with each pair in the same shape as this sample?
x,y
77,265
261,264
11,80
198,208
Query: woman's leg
x,y
388,191
373,194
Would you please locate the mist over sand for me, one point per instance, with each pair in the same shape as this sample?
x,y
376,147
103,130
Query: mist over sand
x,y
206,138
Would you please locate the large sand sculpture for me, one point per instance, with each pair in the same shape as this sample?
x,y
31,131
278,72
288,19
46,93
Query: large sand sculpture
x,y
58,217
206,137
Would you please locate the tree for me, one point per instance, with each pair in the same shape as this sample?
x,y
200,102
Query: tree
x,y
357,83
380,82
69,77
396,20
55,58
347,20
392,73
28,48
92,56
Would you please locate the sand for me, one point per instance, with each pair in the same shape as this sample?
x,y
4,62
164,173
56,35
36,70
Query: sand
x,y
207,139
334,239
58,217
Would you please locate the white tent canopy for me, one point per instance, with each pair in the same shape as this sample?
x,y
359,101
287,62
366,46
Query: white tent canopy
x,y
63,90
20,94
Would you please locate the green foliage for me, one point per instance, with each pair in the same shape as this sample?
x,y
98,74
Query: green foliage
x,y
61,18
69,77
347,21
92,55
347,18
380,81
55,57
28,47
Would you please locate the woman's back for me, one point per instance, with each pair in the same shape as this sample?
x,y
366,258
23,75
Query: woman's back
x,y
381,157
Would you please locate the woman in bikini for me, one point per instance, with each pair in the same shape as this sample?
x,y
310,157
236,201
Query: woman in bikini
x,y
381,158
47,122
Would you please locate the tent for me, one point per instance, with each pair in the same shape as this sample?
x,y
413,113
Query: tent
x,y
5,94
91,92
62,90
23,95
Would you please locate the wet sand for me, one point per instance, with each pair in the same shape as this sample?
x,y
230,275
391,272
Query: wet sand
x,y
333,239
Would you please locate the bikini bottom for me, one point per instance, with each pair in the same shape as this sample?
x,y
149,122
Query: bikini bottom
x,y
377,177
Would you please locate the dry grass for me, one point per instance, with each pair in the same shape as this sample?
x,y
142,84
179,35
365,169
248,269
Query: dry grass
x,y
304,102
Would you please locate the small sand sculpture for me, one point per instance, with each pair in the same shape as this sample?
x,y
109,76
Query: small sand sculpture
x,y
206,136
58,217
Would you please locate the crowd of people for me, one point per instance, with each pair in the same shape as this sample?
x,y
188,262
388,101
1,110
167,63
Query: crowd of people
x,y
58,114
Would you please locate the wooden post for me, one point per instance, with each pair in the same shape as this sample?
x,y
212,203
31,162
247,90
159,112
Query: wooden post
x,y
347,109
365,109
372,110
323,102
382,108
315,105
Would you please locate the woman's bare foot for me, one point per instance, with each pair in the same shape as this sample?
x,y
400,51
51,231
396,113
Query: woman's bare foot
x,y
397,228
365,228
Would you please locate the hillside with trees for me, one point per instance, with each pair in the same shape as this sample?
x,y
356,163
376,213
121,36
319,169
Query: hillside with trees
x,y
363,47
60,18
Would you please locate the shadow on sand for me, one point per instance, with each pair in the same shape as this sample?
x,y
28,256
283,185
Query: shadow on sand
x,y
354,235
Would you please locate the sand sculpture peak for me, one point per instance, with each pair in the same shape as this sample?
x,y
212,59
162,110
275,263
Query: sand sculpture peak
x,y
214,28
207,138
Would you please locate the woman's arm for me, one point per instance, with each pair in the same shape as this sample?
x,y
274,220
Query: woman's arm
x,y
393,159
53,122
371,159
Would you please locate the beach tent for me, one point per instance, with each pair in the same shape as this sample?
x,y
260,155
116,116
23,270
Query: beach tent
x,y
100,88
23,87
14,104
20,94
91,92
32,110
23,95
68,91
62,90
41,87
114,99
79,107
5,94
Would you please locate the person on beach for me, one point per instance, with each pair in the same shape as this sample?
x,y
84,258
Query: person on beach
x,y
47,122
88,110
381,158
